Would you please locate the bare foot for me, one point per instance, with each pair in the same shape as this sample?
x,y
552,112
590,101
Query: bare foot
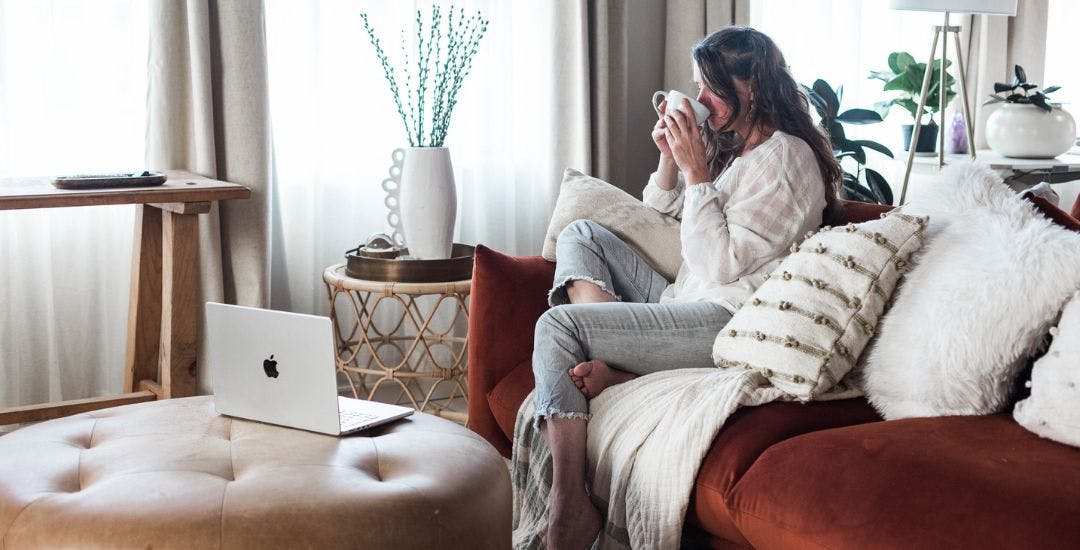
x,y
593,377
572,524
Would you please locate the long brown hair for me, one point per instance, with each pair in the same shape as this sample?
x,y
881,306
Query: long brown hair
x,y
752,57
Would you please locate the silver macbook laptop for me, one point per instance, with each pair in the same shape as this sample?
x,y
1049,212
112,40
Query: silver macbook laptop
x,y
279,368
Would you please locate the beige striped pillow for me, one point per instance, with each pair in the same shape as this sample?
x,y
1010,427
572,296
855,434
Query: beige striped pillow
x,y
806,325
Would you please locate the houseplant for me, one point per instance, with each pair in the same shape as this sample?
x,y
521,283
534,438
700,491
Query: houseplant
x,y
1027,125
905,75
826,102
425,89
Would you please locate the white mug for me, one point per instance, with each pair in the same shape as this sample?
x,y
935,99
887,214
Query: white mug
x,y
674,99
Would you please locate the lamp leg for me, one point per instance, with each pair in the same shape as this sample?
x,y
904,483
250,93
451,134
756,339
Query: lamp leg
x,y
969,125
942,94
919,114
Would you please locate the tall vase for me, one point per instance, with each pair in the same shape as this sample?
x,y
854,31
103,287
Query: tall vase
x,y
428,202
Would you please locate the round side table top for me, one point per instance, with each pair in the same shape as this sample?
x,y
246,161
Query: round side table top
x,y
335,275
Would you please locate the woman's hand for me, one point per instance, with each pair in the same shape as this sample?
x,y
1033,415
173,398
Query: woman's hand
x,y
683,139
659,133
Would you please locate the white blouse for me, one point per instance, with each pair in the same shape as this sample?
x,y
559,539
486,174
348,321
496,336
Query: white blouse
x,y
739,227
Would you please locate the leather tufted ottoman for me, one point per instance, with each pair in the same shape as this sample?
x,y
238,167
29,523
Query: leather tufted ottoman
x,y
175,474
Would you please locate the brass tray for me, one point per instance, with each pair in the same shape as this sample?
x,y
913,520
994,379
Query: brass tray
x,y
458,267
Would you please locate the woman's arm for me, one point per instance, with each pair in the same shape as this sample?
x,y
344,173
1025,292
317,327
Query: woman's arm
x,y
664,192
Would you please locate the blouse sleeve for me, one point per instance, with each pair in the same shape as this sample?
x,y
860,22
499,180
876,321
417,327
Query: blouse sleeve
x,y
760,220
668,202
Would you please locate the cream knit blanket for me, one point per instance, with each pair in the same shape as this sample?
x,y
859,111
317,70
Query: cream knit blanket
x,y
646,440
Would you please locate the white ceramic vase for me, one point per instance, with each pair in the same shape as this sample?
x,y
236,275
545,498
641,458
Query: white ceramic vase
x,y
428,199
1022,130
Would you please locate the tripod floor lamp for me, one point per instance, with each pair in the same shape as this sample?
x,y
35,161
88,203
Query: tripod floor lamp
x,y
942,32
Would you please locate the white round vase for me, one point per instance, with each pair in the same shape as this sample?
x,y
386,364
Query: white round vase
x,y
1023,130
428,199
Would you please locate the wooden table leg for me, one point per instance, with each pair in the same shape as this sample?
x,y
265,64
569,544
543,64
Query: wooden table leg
x,y
180,295
144,305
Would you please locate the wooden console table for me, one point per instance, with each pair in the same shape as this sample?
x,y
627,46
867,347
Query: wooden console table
x,y
162,339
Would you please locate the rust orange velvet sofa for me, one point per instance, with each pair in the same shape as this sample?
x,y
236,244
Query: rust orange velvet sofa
x,y
820,475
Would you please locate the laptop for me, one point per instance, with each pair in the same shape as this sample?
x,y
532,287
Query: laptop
x,y
279,368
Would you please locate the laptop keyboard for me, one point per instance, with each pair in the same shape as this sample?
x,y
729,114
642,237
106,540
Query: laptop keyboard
x,y
352,420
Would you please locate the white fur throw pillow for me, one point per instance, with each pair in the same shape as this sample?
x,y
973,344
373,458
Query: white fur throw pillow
x,y
1053,410
981,293
653,235
806,325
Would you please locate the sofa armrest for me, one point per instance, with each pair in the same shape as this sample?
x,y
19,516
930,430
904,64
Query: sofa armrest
x,y
509,294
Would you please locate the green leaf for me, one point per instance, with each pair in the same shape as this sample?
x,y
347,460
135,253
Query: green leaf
x,y
859,116
816,101
884,76
875,146
880,187
899,83
853,190
836,133
826,92
1039,101
910,104
1051,89
859,154
1000,87
894,64
903,59
937,64
1021,76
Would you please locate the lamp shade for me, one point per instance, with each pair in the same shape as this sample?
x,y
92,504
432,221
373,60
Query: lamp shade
x,y
990,7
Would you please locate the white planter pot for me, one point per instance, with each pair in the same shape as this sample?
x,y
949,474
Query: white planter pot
x,y
1026,131
428,199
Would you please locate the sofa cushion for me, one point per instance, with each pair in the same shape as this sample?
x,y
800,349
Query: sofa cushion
x,y
509,293
806,325
653,235
950,482
747,434
506,397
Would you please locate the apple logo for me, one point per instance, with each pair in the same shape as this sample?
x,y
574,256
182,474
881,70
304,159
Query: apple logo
x,y
270,367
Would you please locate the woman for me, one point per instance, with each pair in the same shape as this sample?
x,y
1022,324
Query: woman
x,y
756,177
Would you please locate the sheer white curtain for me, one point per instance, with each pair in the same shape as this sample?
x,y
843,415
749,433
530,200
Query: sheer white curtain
x,y
72,95
335,128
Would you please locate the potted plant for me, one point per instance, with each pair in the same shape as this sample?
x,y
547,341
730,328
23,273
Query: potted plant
x,y
1027,125
442,58
905,75
827,104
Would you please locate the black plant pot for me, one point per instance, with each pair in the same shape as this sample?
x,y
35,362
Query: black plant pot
x,y
927,138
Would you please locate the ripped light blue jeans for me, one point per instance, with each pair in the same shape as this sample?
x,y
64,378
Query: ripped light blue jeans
x,y
635,334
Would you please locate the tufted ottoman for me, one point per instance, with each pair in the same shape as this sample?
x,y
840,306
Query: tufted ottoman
x,y
175,474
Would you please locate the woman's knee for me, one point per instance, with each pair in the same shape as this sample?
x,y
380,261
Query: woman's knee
x,y
583,231
555,328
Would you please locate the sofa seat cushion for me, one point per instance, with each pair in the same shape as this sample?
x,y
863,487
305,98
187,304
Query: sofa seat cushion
x,y
507,396
747,434
946,482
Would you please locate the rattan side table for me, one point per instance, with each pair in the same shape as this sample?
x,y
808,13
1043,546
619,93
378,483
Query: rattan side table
x,y
393,334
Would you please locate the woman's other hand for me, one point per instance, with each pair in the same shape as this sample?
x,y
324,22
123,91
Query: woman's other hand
x,y
684,141
659,133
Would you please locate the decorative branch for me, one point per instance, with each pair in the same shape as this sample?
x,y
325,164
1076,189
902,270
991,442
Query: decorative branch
x,y
425,111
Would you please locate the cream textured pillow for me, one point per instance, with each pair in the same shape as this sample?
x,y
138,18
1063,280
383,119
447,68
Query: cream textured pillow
x,y
981,294
653,235
1053,410
806,325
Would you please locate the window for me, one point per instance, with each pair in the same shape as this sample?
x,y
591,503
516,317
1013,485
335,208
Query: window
x,y
72,100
